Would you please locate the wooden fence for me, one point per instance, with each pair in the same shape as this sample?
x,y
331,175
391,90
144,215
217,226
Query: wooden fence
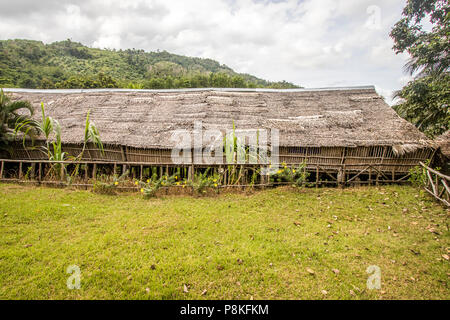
x,y
437,185
14,170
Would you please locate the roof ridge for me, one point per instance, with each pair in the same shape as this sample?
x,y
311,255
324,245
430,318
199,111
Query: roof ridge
x,y
25,90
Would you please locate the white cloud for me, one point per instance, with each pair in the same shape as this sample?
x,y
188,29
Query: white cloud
x,y
314,43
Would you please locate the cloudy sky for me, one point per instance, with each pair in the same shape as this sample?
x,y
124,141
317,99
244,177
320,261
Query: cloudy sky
x,y
313,43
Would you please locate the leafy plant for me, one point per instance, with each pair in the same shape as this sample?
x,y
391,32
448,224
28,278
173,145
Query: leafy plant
x,y
425,100
153,184
203,181
109,187
91,134
52,148
12,122
296,177
418,175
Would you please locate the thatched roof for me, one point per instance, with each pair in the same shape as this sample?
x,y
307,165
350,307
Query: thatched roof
x,y
444,143
305,117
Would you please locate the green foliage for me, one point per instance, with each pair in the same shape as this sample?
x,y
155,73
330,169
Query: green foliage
x,y
153,184
52,147
418,176
296,177
68,64
202,181
426,104
425,100
429,50
110,185
12,122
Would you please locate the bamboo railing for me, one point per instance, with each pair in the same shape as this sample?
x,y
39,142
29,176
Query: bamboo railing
x,y
12,170
437,185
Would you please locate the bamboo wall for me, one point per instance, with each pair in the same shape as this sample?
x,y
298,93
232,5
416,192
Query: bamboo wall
x,y
328,158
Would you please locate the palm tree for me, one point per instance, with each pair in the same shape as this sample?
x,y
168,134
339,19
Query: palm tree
x,y
13,121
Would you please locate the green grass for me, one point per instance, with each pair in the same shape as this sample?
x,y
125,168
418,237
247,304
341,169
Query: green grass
x,y
234,246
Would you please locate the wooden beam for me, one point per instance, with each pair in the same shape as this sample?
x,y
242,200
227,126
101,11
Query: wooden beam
x,y
430,180
20,170
62,172
435,172
94,172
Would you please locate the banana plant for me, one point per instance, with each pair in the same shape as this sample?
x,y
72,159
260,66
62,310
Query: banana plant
x,y
12,122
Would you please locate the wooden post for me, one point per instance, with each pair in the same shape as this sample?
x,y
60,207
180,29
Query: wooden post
x,y
1,169
94,172
370,176
86,176
317,176
20,170
124,157
141,173
191,168
344,175
115,168
40,171
262,175
62,172
124,168
33,170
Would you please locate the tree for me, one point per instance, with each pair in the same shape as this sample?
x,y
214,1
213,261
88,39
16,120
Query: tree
x,y
429,51
425,100
12,120
427,104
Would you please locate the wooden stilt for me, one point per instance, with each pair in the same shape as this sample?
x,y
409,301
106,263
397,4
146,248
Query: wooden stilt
x,y
317,176
61,174
94,172
20,170
33,171
40,172
1,169
142,171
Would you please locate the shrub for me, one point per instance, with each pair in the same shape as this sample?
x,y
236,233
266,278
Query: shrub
x,y
152,185
297,177
418,174
109,187
202,182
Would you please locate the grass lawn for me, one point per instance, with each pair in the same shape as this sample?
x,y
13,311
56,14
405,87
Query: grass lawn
x,y
273,244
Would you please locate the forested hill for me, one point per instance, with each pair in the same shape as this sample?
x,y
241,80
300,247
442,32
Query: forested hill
x,y
68,64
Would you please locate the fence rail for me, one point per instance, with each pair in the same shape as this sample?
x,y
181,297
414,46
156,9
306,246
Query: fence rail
x,y
320,174
437,185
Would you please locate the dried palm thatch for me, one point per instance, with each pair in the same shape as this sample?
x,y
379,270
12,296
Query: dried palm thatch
x,y
443,141
344,117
